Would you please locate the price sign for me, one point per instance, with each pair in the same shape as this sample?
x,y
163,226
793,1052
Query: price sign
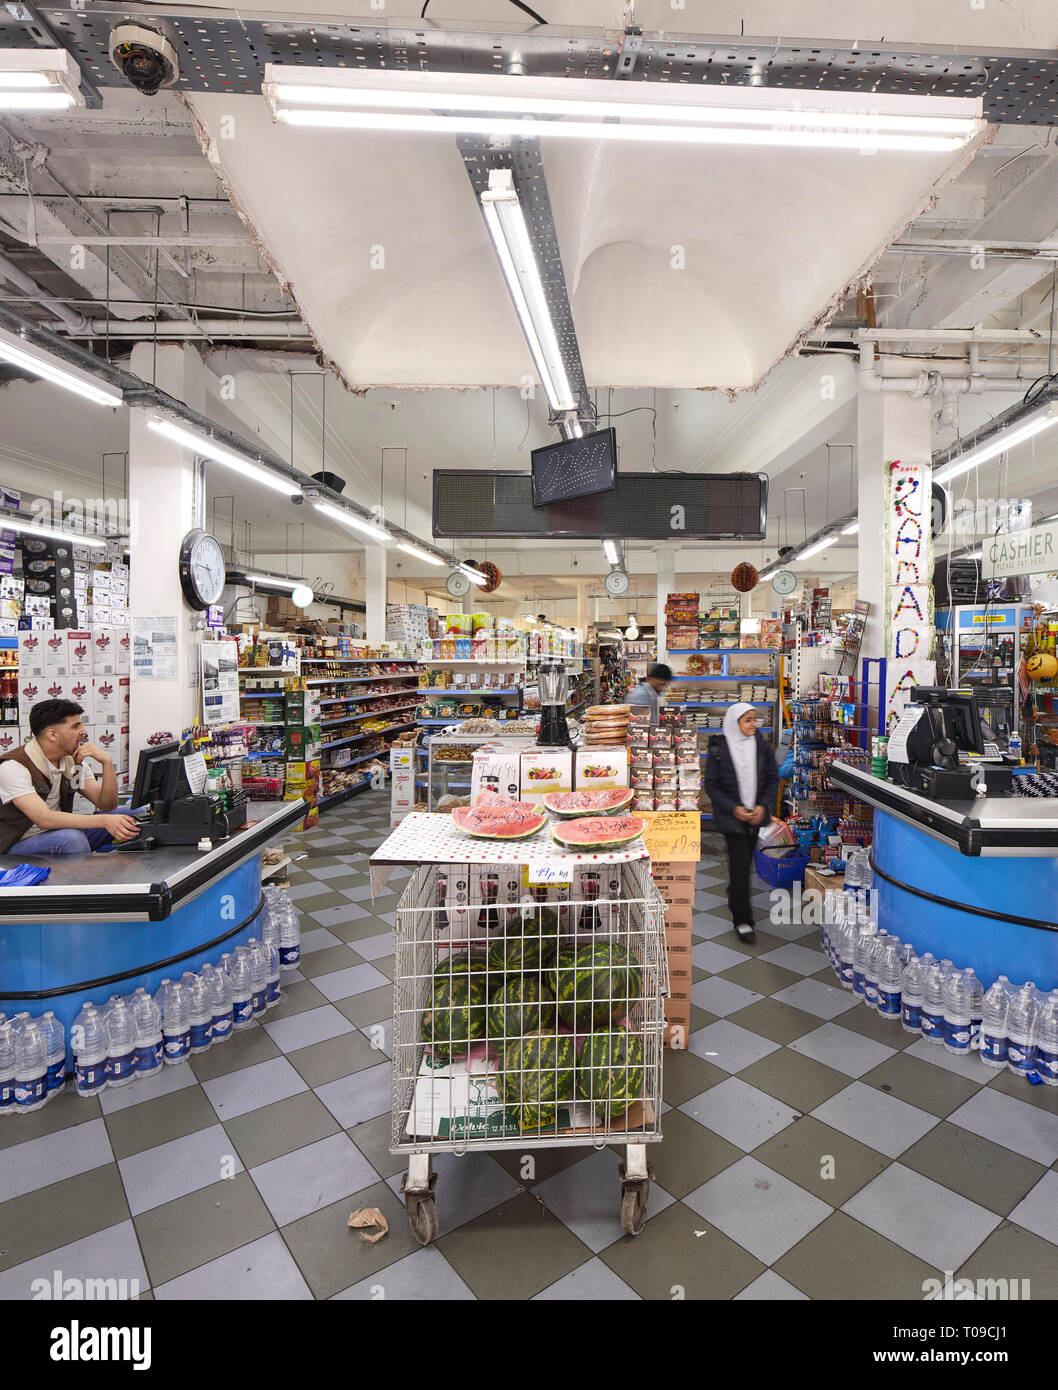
x,y
673,836
549,871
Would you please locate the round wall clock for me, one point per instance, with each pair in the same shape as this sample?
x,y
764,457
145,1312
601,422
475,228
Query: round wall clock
x,y
617,583
784,582
203,572
457,584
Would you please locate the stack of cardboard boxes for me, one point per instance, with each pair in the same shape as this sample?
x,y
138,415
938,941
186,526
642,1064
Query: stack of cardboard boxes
x,y
89,667
675,845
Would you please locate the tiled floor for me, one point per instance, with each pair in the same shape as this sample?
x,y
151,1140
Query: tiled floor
x,y
810,1149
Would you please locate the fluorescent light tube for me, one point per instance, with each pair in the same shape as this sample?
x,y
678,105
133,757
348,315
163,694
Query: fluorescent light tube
x,y
575,108
39,362
766,575
999,444
851,529
31,528
347,518
39,79
510,237
817,547
611,551
420,554
274,582
475,576
217,453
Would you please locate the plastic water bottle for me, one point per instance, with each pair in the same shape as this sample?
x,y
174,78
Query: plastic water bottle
x,y
1014,746
913,993
220,1000
890,980
271,916
31,1069
259,969
88,1038
1021,1031
148,1020
957,1014
290,938
994,1025
865,935
200,1011
977,999
846,933
55,1046
933,1004
161,994
121,1043
272,973
872,965
176,1026
1047,1039
241,988
7,1070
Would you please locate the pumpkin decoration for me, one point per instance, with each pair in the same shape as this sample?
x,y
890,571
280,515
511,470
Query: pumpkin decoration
x,y
744,578
1041,666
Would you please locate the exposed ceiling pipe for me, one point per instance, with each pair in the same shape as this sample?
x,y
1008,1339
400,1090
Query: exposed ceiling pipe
x,y
76,323
960,380
281,329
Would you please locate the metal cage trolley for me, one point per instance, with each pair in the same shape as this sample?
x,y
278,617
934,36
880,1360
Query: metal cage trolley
x,y
528,1014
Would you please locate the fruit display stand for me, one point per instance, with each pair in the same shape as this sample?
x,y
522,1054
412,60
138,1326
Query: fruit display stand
x,y
528,1004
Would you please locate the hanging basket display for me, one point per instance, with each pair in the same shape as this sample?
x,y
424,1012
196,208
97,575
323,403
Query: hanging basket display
x,y
744,577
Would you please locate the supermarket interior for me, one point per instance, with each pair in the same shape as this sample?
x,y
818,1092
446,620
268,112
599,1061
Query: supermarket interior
x,y
529,672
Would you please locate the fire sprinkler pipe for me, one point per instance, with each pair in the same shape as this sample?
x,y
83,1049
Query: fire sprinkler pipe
x,y
949,380
15,275
281,329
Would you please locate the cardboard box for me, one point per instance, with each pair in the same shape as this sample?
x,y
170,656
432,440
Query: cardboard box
x,y
55,688
544,770
55,654
303,741
402,786
30,654
495,769
601,768
675,882
122,641
678,916
677,1031
79,658
9,737
97,614
104,653
122,764
79,689
108,738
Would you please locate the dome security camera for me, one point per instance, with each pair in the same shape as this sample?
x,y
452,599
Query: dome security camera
x,y
145,55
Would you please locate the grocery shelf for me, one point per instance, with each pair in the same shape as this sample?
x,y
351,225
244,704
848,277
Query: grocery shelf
x,y
720,704
348,680
270,870
364,757
362,714
267,671
359,661
325,803
372,733
368,695
722,651
448,690
470,661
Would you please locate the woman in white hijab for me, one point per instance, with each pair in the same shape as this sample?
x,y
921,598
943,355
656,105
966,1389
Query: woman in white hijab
x,y
741,778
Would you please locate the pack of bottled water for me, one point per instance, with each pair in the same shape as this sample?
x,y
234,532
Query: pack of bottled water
x,y
136,1035
281,925
1007,1025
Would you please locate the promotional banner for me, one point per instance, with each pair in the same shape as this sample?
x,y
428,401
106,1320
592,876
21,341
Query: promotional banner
x,y
907,553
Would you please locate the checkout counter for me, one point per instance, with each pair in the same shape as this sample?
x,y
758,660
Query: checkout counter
x,y
106,923
963,867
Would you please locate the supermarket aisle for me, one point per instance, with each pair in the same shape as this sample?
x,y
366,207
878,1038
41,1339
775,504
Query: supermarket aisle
x,y
810,1150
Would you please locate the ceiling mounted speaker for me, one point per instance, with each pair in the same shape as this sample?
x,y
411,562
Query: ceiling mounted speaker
x,y
744,577
939,512
330,480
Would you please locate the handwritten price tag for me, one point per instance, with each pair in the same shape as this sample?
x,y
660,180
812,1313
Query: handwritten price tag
x,y
549,871
673,836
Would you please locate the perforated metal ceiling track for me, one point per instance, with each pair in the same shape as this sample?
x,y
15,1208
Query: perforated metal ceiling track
x,y
228,55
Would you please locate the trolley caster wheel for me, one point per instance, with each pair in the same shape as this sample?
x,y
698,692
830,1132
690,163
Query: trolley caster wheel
x,y
633,1209
423,1218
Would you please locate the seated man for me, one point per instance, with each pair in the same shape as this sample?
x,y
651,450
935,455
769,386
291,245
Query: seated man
x,y
37,785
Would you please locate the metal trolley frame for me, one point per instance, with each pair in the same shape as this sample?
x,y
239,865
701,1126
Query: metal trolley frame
x,y
427,935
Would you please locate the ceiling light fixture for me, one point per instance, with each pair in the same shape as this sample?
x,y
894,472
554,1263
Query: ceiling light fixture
x,y
274,582
851,529
41,363
419,554
475,576
574,108
39,79
348,518
1002,441
612,551
32,528
510,238
217,453
815,548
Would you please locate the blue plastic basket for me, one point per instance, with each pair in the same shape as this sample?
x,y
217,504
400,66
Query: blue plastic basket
x,y
780,872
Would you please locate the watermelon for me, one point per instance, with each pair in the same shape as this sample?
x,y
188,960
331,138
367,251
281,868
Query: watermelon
x,y
462,964
598,832
597,988
610,1071
538,1071
522,1004
588,802
456,1016
527,942
492,818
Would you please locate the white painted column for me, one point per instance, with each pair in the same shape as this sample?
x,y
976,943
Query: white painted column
x,y
375,592
164,505
582,607
666,556
889,427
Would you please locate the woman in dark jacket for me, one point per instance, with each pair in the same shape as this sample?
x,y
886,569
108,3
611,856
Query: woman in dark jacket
x,y
742,779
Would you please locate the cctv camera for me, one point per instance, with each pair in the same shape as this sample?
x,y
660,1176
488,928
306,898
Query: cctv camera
x,y
146,56
297,499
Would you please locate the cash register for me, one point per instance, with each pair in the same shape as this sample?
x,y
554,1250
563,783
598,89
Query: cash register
x,y
169,812
936,726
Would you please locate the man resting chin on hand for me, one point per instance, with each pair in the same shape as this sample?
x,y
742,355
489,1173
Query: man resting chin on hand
x,y
38,782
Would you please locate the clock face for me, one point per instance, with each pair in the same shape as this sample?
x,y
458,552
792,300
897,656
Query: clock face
x,y
458,585
785,582
203,572
617,583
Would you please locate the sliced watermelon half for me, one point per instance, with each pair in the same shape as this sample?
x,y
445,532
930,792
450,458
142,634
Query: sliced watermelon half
x,y
496,819
589,801
598,832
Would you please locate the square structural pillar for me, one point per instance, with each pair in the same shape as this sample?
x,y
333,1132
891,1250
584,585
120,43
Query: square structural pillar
x,y
375,592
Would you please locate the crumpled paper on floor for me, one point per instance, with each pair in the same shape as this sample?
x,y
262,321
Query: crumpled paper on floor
x,y
369,1216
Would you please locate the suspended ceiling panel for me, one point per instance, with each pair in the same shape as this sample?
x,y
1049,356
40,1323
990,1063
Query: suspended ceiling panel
x,y
686,267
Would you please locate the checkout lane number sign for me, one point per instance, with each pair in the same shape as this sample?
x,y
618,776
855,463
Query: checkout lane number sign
x,y
1034,551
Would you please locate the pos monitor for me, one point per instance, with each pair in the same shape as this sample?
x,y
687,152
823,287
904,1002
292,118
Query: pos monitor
x,y
954,716
159,776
